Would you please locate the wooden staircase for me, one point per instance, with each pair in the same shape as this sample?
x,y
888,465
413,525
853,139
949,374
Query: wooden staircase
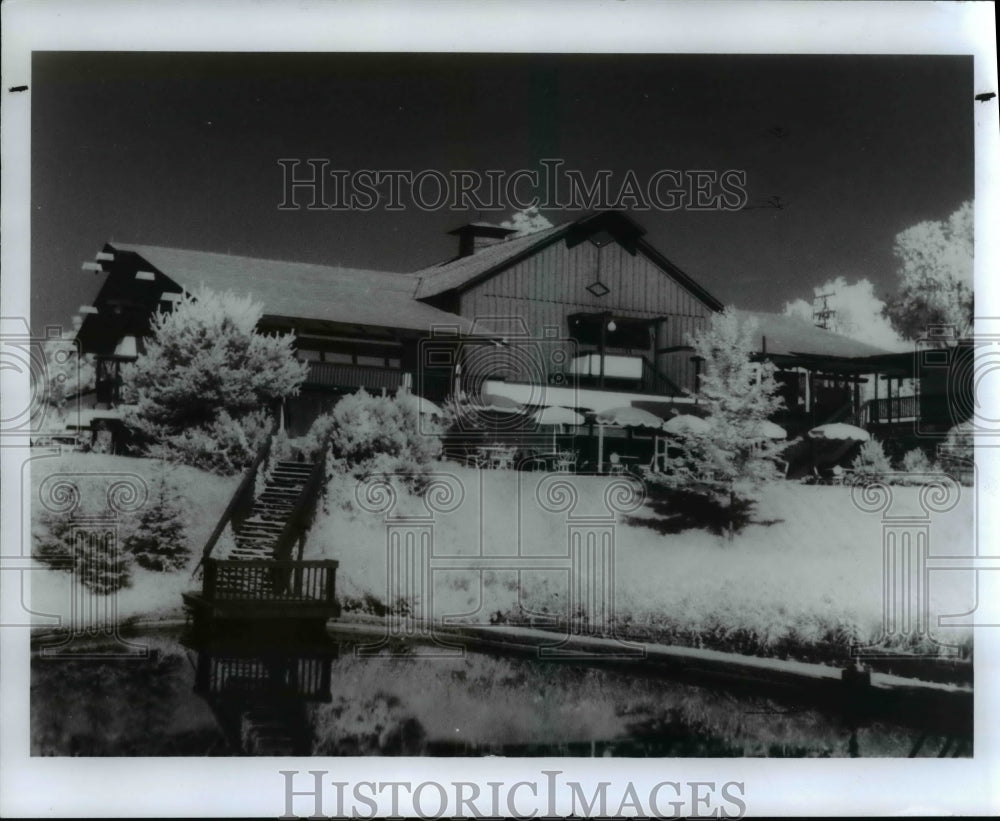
x,y
258,624
259,534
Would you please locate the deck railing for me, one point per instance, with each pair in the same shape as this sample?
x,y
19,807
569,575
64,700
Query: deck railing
x,y
337,375
265,580
887,410
305,676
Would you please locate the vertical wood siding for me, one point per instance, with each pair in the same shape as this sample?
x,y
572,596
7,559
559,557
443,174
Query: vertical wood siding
x,y
548,286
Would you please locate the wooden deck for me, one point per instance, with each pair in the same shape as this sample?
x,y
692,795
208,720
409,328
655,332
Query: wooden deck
x,y
266,589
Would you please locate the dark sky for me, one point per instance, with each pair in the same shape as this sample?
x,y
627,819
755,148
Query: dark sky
x,y
182,150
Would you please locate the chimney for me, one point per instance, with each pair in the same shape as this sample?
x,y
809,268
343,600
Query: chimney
x,y
478,235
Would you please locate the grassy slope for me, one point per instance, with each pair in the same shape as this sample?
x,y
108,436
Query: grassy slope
x,y
204,498
810,573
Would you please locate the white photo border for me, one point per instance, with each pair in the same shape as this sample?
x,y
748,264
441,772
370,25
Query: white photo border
x,y
118,787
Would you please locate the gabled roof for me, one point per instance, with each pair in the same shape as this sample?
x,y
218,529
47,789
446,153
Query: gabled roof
x,y
454,273
794,336
302,290
462,272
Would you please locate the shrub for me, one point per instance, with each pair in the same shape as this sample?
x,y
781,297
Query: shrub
x,y
916,461
369,435
958,444
52,544
224,446
871,459
159,540
102,566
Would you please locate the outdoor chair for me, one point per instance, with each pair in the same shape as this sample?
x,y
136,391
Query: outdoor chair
x,y
566,463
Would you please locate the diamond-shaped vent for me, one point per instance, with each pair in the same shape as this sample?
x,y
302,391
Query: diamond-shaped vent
x,y
598,288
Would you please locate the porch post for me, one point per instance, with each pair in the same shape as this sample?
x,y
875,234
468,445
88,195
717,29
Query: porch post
x,y
873,417
604,332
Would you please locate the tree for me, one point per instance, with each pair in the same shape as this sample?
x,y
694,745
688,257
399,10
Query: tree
x,y
159,540
935,273
858,313
528,221
732,454
202,390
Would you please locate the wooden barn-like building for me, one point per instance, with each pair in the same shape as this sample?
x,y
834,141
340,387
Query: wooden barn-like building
x,y
587,314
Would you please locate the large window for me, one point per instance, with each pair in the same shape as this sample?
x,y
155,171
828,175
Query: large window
x,y
366,357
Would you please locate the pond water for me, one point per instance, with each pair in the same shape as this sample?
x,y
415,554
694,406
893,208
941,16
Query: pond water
x,y
417,704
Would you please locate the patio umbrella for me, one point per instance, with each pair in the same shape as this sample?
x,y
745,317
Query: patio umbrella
x,y
840,431
555,416
497,404
623,417
629,417
425,407
769,430
685,423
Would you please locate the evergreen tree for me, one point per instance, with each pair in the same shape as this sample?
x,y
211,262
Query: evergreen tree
x,y
732,454
159,540
202,389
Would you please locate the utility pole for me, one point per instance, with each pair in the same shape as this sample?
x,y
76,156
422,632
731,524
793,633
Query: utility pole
x,y
822,316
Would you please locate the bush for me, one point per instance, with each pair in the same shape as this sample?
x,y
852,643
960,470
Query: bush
x,y
102,567
370,435
105,567
871,459
958,444
916,461
224,446
53,543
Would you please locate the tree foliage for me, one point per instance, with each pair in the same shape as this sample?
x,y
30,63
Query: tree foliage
x,y
159,540
732,454
528,221
935,275
202,389
369,435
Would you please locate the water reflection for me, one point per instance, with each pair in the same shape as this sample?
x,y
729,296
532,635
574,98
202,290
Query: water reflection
x,y
259,681
234,692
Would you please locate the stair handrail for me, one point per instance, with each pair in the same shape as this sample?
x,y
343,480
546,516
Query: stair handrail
x,y
299,520
241,498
